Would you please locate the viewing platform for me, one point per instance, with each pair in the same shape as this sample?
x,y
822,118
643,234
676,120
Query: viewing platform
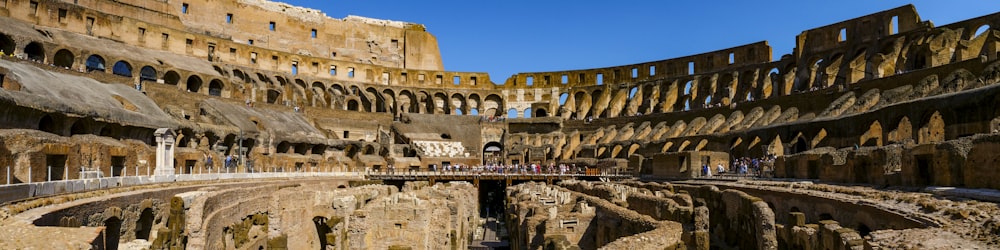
x,y
509,178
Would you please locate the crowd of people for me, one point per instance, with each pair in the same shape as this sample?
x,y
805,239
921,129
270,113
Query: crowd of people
x,y
527,169
743,166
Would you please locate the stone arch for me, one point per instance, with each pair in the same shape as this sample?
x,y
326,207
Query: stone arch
x,y
353,105
78,128
440,104
283,147
512,113
872,137
458,103
64,58
407,102
540,112
95,63
931,128
377,100
147,73
582,100
194,83
492,104
215,87
7,44
171,77
526,113
273,95
47,124
144,225
800,144
979,32
35,52
122,68
112,232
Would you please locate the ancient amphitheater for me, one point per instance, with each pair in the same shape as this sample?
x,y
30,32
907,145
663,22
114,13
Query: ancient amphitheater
x,y
248,124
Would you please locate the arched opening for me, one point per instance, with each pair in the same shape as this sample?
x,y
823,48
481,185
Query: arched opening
x,y
512,113
78,128
95,63
272,96
47,124
122,68
215,88
144,225
458,111
493,153
801,145
283,147
980,31
193,84
112,232
64,59
147,73
322,229
474,112
527,113
352,105
6,44
541,113
171,78
35,52
864,230
825,216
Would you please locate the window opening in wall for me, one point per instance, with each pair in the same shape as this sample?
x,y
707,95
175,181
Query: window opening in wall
x,y
34,7
843,35
530,80
402,77
687,88
333,54
295,68
565,79
333,70
981,30
62,15
438,79
346,134
691,68
456,80
274,59
562,98
184,8
732,58
546,79
386,78
90,25
652,70
166,39
635,72
253,57
350,72
894,25
395,43
250,41
232,52
420,78
581,77
631,93
315,67
142,34
615,74
229,18
472,80
600,79
271,26
312,33
188,42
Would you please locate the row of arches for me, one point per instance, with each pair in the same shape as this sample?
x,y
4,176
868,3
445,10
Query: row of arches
x,y
65,58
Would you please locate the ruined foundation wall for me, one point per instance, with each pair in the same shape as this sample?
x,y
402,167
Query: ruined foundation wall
x,y
736,218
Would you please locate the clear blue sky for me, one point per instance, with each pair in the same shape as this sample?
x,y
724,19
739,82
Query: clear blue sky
x,y
511,36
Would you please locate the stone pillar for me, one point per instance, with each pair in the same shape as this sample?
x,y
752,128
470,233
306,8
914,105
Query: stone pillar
x,y
164,151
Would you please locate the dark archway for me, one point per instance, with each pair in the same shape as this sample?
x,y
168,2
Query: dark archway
x,y
6,44
493,153
147,73
352,105
272,96
215,88
194,83
78,128
112,232
322,229
541,113
95,63
144,225
47,124
64,58
122,68
35,51
171,78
